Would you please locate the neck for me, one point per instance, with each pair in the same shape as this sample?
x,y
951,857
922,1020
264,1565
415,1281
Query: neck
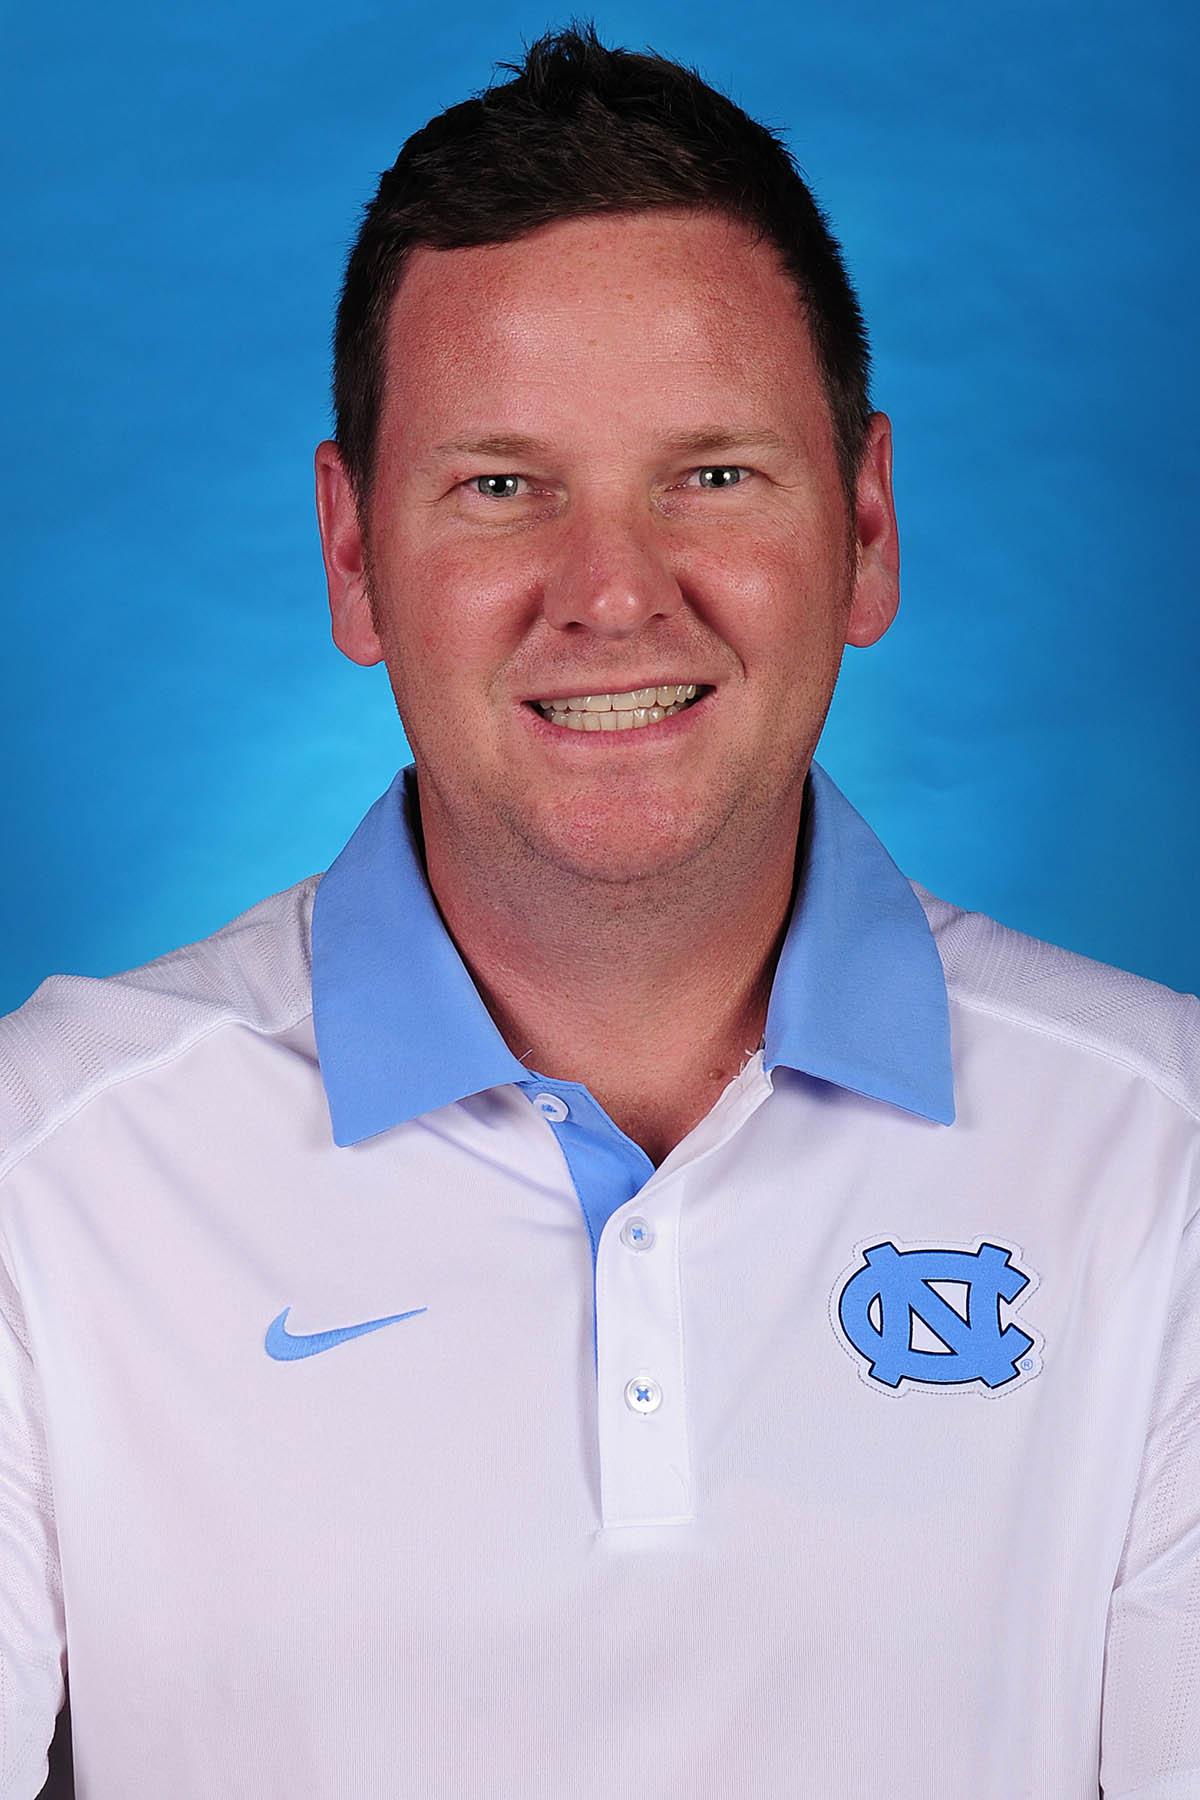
x,y
652,993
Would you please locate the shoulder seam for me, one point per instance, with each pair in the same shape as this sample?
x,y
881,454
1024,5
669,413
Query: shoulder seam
x,y
1013,1017
21,1150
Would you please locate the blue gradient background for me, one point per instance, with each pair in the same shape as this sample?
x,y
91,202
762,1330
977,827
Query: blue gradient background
x,y
1013,186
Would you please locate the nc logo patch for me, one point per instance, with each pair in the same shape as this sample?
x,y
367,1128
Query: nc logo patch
x,y
930,1314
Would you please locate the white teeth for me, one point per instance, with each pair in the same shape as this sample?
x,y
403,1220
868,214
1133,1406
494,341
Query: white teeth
x,y
618,712
671,695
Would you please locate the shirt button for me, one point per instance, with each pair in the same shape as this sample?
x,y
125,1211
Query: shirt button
x,y
637,1233
552,1108
643,1395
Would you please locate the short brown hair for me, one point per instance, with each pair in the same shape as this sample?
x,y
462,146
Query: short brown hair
x,y
584,129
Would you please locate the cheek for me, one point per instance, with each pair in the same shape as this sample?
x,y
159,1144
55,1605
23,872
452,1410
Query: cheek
x,y
778,594
448,612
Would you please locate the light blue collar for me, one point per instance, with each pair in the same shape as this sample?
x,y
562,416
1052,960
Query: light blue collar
x,y
859,995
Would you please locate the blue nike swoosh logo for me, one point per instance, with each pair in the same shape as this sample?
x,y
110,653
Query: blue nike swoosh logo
x,y
281,1344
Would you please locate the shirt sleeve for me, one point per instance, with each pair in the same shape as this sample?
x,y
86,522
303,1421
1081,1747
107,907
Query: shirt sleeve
x,y
32,1624
1150,1712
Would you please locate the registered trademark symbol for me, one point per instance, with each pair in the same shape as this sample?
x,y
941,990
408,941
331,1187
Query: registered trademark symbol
x,y
1027,1362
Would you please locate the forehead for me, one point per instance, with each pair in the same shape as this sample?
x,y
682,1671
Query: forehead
x,y
618,311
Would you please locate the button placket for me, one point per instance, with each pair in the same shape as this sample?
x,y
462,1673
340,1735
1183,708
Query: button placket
x,y
645,1473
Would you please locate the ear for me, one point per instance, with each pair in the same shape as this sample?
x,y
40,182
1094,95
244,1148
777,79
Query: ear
x,y
876,596
345,561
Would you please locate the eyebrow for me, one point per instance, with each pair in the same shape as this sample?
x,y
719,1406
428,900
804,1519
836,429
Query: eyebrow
x,y
680,443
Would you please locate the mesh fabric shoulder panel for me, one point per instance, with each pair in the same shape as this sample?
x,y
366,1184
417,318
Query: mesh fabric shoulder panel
x,y
1137,1022
77,1035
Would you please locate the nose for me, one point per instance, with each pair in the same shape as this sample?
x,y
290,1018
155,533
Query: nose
x,y
611,572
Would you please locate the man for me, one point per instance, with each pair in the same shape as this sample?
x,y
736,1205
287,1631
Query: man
x,y
612,1289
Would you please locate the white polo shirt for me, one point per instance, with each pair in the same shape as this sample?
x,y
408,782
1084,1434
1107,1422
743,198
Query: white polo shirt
x,y
458,1451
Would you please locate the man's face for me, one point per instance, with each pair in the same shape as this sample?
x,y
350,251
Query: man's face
x,y
676,515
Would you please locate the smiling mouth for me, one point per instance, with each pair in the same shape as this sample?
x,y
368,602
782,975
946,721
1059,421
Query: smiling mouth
x,y
587,717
